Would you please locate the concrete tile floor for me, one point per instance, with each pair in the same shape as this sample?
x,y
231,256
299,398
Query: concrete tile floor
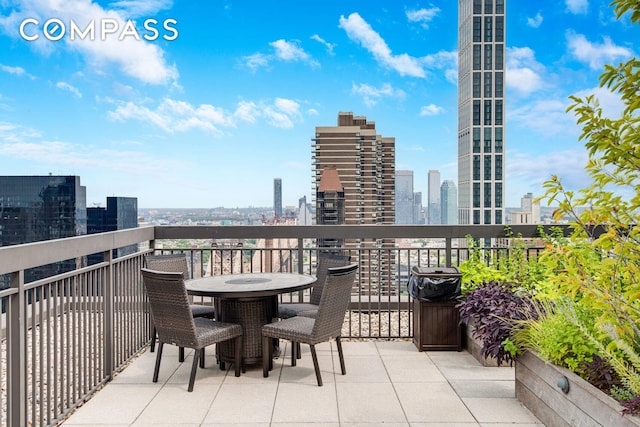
x,y
389,383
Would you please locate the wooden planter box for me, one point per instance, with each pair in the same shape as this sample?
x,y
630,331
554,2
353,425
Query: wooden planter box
x,y
436,326
474,346
583,405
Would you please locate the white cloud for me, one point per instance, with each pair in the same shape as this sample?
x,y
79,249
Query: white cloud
x,y
360,31
523,71
611,104
141,60
179,116
18,71
287,51
328,45
422,16
536,21
140,8
66,86
431,110
546,117
290,51
371,95
594,54
257,60
527,172
577,7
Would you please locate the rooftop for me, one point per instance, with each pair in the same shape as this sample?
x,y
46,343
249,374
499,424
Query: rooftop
x,y
387,382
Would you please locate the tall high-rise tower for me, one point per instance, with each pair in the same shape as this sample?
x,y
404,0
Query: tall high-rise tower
x,y
365,164
34,208
277,198
433,194
449,202
405,200
481,111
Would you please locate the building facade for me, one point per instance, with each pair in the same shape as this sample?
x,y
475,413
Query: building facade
x,y
121,213
277,198
449,202
433,194
481,111
35,208
405,197
365,164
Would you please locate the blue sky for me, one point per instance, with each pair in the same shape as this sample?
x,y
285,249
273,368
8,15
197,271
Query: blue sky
x,y
209,110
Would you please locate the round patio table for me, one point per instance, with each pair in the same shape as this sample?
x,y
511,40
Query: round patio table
x,y
249,299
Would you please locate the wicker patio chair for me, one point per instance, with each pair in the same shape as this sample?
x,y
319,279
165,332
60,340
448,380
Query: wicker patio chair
x,y
327,323
310,309
175,324
176,263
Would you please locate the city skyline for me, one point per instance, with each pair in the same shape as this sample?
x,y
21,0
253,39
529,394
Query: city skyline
x,y
210,117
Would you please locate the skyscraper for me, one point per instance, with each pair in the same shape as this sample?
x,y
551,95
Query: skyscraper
x,y
277,198
481,107
404,197
449,202
330,205
121,213
433,194
34,208
365,163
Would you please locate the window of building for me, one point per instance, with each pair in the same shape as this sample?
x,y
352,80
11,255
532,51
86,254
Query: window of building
x,y
477,6
477,56
487,216
476,168
487,140
487,112
499,57
476,140
499,28
488,57
476,85
488,6
499,85
498,195
498,167
498,112
487,167
498,217
476,194
488,28
488,77
476,113
487,195
500,6
476,217
498,145
477,29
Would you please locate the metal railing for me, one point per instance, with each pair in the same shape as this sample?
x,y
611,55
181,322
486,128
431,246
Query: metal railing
x,y
65,335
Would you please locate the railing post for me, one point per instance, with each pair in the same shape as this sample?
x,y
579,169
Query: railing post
x,y
109,332
300,255
16,354
447,252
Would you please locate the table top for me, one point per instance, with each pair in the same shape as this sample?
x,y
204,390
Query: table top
x,y
246,285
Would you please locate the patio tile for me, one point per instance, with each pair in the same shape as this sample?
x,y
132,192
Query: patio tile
x,y
435,402
305,403
115,405
305,373
494,410
361,369
175,405
237,403
479,388
414,368
368,403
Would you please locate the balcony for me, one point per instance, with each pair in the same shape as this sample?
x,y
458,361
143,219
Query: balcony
x,y
67,336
